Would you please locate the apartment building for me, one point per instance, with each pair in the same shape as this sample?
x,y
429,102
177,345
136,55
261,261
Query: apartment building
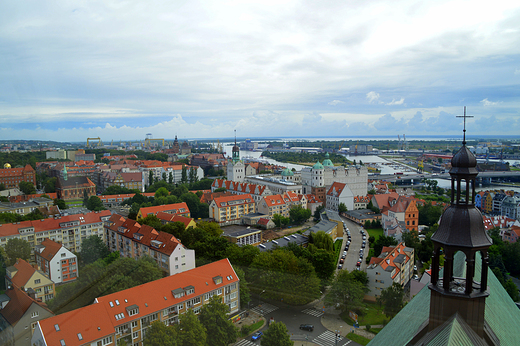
x,y
230,209
11,177
134,240
274,204
126,315
180,209
394,264
339,193
22,274
69,230
56,262
24,208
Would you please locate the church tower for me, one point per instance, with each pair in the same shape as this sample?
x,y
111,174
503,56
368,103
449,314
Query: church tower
x,y
461,229
236,150
236,170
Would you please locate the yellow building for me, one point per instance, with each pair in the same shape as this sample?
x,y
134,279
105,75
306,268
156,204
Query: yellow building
x,y
229,210
22,274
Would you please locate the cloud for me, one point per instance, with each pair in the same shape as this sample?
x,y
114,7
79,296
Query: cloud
x,y
372,96
335,102
394,102
517,71
486,102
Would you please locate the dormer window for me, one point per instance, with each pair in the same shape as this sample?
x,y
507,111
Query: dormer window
x,y
189,290
178,293
132,310
217,280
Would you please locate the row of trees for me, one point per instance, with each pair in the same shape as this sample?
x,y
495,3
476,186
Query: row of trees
x,y
297,216
13,217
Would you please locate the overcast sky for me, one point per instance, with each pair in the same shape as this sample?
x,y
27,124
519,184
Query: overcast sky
x,y
121,69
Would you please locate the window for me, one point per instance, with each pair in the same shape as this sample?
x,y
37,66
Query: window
x,y
63,255
134,324
37,281
219,291
133,312
35,314
135,335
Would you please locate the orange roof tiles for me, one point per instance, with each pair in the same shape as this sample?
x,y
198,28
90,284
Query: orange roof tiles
x,y
233,200
18,304
51,248
98,320
175,208
174,218
274,200
24,273
337,187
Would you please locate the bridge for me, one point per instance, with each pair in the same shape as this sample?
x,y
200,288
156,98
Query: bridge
x,y
417,177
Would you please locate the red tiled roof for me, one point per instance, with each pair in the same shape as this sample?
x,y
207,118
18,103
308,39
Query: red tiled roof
x,y
18,304
237,199
274,200
336,186
175,208
24,273
174,218
52,223
51,248
98,320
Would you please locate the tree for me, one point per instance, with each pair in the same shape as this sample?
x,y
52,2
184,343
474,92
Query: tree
x,y
92,249
276,335
512,290
94,203
27,187
322,240
2,186
17,248
213,317
184,175
345,292
280,220
150,178
162,192
342,208
383,241
50,185
220,189
299,214
160,335
245,297
190,332
170,178
164,176
317,213
193,175
117,190
392,299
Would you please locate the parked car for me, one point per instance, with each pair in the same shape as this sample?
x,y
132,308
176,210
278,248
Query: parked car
x,y
358,263
256,336
342,260
345,253
343,256
415,268
363,246
307,327
340,266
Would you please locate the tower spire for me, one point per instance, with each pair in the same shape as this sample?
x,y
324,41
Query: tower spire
x,y
464,131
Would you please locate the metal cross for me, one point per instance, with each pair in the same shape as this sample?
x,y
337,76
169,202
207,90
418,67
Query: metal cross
x,y
464,131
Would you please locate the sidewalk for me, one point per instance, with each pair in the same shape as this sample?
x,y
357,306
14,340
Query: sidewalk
x,y
334,322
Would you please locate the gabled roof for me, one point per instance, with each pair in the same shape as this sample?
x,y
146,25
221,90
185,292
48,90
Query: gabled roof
x,y
175,208
24,273
383,200
233,200
274,200
335,189
99,319
174,218
18,304
50,250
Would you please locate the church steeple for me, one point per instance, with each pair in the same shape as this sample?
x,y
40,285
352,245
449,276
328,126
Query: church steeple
x,y
461,229
65,174
236,150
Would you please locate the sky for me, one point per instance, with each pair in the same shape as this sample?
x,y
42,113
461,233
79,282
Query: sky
x,y
119,70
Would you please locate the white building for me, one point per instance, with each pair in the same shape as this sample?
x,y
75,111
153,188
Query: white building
x,y
339,193
56,262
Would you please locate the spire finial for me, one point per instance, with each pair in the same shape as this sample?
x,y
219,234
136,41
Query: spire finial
x,y
464,131
235,137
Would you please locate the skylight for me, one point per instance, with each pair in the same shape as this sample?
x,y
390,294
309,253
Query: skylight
x,y
57,327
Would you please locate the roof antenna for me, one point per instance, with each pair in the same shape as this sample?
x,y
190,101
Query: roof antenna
x,y
464,131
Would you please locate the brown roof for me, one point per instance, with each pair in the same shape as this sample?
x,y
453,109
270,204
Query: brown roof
x,y
24,273
51,248
176,208
239,199
174,218
18,304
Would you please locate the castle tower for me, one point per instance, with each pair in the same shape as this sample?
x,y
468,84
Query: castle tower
x,y
236,150
461,229
236,170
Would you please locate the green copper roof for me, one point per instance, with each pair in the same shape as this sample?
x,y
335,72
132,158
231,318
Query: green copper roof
x,y
317,165
287,173
501,314
327,162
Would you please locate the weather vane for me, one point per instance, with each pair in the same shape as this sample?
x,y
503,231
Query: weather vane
x,y
464,131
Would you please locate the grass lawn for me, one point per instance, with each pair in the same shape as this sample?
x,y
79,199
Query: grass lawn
x,y
337,248
358,338
249,329
375,232
373,315
375,330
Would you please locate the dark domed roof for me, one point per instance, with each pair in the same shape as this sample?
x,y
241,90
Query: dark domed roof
x,y
461,226
464,163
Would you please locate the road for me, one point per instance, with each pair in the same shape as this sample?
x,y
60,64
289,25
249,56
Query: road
x,y
292,317
355,246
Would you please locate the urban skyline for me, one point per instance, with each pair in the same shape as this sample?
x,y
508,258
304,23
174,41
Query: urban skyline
x,y
199,70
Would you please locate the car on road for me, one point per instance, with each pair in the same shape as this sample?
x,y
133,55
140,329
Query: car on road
x,y
415,268
363,246
307,327
256,336
340,266
342,260
345,253
358,263
343,257
364,237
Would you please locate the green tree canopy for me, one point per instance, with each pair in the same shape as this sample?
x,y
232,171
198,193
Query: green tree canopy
x,y
383,241
162,192
92,249
392,299
346,292
27,187
213,317
94,203
245,296
152,221
118,190
160,335
280,273
220,189
276,335
342,208
299,215
322,240
60,203
17,248
190,331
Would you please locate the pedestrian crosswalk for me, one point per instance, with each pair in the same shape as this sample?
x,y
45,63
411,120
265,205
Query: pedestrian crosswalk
x,y
245,342
313,312
264,309
328,338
